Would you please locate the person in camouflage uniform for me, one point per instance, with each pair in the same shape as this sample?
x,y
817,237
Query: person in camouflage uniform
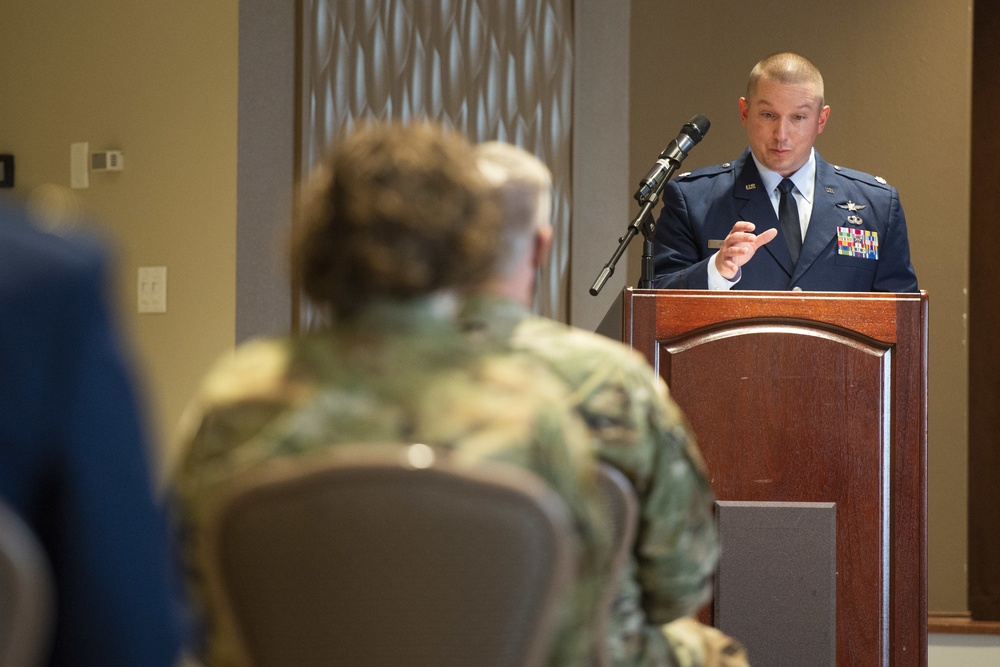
x,y
634,425
399,219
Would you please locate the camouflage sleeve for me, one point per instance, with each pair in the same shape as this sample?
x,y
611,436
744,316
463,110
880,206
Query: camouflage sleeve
x,y
215,419
640,430
565,460
535,427
635,426
677,543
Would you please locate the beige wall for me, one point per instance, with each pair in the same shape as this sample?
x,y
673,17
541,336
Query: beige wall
x,y
157,81
898,79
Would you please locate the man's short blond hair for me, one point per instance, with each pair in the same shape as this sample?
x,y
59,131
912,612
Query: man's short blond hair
x,y
789,69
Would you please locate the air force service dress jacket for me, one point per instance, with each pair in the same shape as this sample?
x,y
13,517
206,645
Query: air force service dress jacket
x,y
74,453
856,240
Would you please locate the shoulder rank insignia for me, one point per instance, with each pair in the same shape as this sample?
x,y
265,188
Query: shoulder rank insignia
x,y
852,207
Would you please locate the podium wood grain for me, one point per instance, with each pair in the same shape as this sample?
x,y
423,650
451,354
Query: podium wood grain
x,y
814,397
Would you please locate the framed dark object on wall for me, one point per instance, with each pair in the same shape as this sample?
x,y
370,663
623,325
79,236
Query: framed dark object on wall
x,y
6,171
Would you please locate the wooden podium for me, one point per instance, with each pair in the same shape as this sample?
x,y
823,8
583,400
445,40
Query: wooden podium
x,y
810,411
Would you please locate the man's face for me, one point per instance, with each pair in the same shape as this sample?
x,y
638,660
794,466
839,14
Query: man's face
x,y
782,121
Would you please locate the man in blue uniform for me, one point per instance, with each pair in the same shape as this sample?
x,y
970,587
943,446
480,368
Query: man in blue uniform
x,y
74,455
780,217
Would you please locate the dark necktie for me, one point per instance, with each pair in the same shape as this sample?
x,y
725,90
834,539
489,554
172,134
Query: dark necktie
x,y
788,216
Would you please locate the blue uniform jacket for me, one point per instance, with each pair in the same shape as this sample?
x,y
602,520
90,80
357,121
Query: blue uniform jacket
x,y
856,240
73,455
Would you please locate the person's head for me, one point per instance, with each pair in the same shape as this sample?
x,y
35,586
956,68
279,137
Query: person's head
x,y
397,211
522,185
783,111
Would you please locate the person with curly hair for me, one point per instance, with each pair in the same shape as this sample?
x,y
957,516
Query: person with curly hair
x,y
398,221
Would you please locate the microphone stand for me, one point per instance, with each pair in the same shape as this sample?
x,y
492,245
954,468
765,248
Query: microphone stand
x,y
644,223
650,189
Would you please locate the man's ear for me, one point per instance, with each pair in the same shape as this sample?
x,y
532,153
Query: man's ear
x,y
824,115
744,111
543,245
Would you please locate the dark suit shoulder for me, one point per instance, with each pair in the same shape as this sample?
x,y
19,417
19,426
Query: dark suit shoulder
x,y
862,177
26,249
714,170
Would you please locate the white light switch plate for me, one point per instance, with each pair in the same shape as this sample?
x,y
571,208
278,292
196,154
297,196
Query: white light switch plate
x,y
79,169
152,289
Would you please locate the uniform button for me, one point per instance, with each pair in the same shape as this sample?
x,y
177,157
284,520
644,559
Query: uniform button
x,y
796,289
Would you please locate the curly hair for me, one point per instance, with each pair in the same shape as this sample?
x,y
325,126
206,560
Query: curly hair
x,y
398,211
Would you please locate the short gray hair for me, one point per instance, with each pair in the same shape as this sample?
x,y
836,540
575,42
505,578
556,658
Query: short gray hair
x,y
522,185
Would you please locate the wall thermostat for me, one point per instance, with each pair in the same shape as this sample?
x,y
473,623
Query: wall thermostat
x,y
107,161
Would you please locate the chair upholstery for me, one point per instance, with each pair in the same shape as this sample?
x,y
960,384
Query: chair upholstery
x,y
391,556
622,506
26,594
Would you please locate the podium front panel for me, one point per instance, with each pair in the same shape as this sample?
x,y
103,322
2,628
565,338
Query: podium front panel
x,y
813,398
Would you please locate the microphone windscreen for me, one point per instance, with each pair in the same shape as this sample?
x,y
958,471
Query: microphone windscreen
x,y
698,127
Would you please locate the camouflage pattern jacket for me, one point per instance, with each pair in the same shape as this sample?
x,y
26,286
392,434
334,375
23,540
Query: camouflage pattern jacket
x,y
637,428
395,373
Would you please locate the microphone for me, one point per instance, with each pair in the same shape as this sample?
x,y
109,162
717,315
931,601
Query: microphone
x,y
693,131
